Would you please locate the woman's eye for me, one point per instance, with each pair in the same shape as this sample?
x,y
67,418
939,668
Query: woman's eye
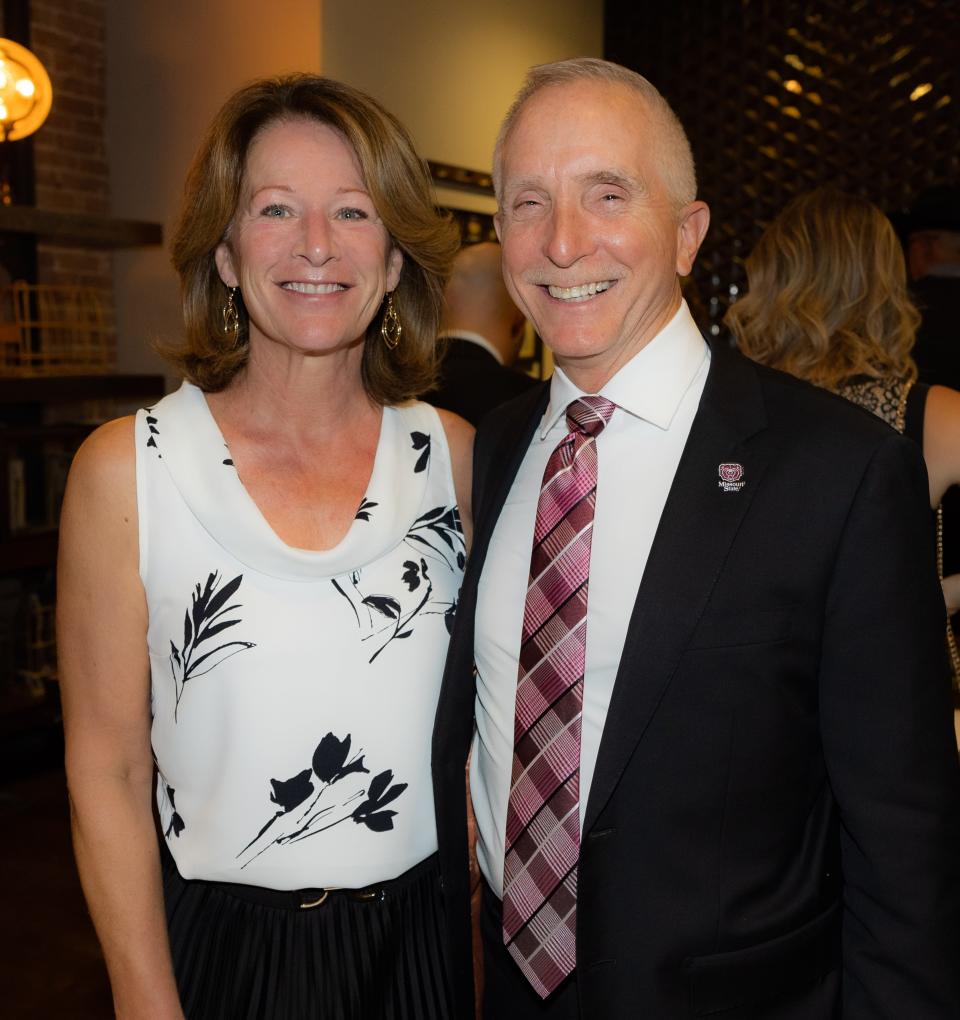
x,y
275,211
352,213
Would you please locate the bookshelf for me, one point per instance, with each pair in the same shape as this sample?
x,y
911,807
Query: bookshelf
x,y
42,422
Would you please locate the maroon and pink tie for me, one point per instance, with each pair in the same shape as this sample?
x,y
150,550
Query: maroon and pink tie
x,y
543,814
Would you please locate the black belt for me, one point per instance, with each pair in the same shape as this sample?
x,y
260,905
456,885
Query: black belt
x,y
309,899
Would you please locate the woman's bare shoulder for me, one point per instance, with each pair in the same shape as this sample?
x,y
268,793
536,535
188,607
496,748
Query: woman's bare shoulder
x,y
460,433
941,439
103,472
108,450
943,399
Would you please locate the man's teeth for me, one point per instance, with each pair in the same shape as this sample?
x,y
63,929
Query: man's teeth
x,y
314,288
584,290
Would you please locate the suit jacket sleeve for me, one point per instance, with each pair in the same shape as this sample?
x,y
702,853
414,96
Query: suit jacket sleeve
x,y
891,760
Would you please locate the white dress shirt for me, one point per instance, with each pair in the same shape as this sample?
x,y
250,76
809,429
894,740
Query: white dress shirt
x,y
657,394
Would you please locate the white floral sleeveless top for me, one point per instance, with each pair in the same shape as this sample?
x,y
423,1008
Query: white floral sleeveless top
x,y
293,692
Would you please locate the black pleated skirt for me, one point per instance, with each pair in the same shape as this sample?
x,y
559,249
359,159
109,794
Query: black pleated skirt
x,y
246,954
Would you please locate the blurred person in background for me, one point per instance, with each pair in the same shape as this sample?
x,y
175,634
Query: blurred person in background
x,y
481,333
932,229
827,301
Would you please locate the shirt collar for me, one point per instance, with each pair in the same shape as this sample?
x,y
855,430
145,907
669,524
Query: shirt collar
x,y
474,338
651,384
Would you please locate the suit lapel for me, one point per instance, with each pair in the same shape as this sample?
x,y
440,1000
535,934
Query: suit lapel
x,y
499,462
698,525
499,452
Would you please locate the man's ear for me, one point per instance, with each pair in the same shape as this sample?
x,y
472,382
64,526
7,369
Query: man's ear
x,y
691,230
498,225
224,260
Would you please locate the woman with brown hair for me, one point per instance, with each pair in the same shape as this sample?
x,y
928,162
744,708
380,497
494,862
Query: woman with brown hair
x,y
258,576
827,301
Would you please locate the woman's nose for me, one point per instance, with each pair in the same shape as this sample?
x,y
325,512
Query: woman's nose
x,y
315,241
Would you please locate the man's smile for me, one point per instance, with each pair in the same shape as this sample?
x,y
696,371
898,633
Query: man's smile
x,y
580,292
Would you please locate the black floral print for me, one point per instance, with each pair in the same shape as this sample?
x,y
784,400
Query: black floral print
x,y
443,524
331,764
384,617
205,618
421,441
170,817
153,431
363,513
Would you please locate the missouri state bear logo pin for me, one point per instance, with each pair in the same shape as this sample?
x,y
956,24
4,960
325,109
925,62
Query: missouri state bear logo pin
x,y
731,477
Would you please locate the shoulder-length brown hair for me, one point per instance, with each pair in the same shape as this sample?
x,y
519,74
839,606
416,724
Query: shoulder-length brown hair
x,y
400,189
827,298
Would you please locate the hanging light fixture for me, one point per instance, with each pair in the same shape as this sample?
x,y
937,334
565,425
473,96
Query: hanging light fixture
x,y
25,98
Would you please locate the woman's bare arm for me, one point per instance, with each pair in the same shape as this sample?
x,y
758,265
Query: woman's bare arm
x,y
105,678
941,441
941,451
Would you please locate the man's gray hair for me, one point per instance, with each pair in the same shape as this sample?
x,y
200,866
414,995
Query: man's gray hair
x,y
675,155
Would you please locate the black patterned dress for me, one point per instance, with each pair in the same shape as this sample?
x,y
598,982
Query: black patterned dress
x,y
901,404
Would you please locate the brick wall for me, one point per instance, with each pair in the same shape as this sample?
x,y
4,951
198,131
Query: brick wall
x,y
69,37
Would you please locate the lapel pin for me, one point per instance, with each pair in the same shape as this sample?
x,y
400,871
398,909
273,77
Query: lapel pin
x,y
731,477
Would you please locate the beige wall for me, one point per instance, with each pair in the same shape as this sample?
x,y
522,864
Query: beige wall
x,y
170,65
448,70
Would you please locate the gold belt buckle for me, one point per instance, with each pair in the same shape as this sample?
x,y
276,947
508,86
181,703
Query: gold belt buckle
x,y
317,902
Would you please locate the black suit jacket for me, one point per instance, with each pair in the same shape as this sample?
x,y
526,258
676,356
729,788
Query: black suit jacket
x,y
473,382
772,830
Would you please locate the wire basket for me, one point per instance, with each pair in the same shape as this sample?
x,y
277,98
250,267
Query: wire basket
x,y
53,330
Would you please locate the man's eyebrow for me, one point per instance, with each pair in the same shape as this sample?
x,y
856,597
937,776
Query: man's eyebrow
x,y
620,178
617,177
521,183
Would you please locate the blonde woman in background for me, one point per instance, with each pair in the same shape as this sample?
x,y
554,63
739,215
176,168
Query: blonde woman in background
x,y
827,301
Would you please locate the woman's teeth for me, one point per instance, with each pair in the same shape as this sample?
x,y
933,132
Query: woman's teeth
x,y
314,288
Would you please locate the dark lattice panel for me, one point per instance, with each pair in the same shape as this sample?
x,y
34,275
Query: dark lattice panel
x,y
778,98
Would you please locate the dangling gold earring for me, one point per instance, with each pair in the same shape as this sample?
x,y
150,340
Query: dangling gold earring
x,y
231,318
391,328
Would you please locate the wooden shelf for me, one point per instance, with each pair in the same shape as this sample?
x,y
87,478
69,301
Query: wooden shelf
x,y
74,228
53,389
21,401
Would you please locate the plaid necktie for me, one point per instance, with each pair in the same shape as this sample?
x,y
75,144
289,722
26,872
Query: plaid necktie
x,y
543,813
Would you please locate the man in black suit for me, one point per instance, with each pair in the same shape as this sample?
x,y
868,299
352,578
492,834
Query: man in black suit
x,y
482,330
764,810
933,255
